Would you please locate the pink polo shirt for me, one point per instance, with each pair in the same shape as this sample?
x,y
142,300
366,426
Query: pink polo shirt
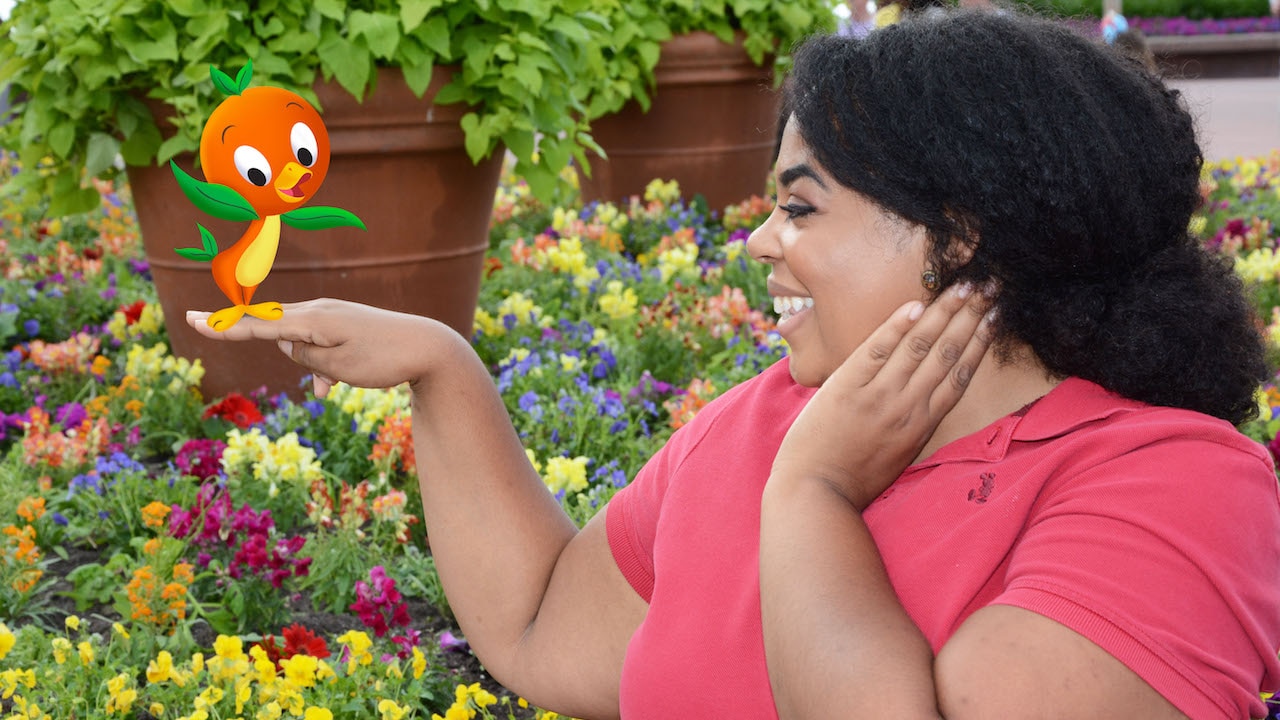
x,y
1152,531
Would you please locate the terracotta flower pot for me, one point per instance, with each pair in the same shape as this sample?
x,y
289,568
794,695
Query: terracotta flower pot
x,y
711,126
397,162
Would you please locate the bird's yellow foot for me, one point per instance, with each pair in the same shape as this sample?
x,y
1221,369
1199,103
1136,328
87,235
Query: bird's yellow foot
x,y
266,310
225,318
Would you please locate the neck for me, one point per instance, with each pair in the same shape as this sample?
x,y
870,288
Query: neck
x,y
996,389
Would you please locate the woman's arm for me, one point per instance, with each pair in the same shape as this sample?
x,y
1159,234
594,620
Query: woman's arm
x,y
544,606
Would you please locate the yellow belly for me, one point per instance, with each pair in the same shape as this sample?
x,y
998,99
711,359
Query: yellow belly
x,y
256,261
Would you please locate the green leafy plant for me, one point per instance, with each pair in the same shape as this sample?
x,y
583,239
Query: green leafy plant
x,y
768,31
86,76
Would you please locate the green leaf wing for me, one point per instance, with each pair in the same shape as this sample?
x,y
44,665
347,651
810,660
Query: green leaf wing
x,y
321,218
219,201
223,82
204,254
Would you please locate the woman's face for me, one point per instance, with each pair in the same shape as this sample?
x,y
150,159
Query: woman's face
x,y
839,264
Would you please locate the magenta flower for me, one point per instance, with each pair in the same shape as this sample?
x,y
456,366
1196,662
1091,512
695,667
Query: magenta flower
x,y
201,458
380,605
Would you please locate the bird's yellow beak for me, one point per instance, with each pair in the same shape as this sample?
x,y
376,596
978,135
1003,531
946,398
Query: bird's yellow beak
x,y
289,183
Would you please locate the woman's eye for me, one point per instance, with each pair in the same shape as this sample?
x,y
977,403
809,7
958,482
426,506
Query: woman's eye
x,y
794,211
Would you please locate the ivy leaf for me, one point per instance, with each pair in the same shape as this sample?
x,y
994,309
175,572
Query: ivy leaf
x,y
350,64
332,9
435,35
61,137
219,201
413,12
477,137
381,32
140,146
321,218
73,201
418,76
101,153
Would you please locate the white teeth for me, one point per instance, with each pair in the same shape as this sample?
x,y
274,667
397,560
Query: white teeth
x,y
787,306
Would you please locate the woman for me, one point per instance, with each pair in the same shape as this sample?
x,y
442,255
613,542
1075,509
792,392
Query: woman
x,y
1017,492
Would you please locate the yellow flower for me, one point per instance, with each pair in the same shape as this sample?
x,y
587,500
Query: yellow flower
x,y
156,709
420,661
300,670
270,711
488,324
72,623
7,640
681,260
122,697
229,647
317,713
618,301
197,663
61,646
359,644
207,699
566,474
118,629
85,648
161,669
391,711
663,192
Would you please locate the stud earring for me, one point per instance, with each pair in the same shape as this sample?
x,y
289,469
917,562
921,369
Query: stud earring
x,y
929,279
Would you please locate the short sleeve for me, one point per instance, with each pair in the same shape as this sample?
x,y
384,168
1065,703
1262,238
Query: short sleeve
x,y
1168,557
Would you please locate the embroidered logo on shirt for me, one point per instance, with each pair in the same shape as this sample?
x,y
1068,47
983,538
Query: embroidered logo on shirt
x,y
980,494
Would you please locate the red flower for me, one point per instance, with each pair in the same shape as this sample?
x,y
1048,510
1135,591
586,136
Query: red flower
x,y
491,266
236,408
133,312
300,641
297,641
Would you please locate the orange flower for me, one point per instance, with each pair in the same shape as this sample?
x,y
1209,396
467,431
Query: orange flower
x,y
684,407
31,509
155,513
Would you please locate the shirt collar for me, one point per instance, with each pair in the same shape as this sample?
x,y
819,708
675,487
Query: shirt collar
x,y
1075,402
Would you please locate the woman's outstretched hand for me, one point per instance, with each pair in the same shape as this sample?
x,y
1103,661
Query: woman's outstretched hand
x,y
877,411
344,341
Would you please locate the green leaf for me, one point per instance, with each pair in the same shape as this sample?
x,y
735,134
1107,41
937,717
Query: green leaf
x,y
294,43
187,8
61,137
101,153
200,254
380,31
73,202
332,9
519,142
223,82
418,77
477,137
175,145
435,35
244,76
321,218
140,147
413,12
219,201
349,63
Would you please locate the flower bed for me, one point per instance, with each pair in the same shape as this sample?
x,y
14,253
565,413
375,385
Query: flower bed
x,y
167,555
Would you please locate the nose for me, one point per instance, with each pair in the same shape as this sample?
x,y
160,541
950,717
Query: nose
x,y
762,243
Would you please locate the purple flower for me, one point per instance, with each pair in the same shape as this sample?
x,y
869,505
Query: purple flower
x,y
70,415
451,642
31,327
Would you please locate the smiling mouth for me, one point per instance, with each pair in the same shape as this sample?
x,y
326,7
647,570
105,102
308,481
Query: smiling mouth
x,y
789,307
296,190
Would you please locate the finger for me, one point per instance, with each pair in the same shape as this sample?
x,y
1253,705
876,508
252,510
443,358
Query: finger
x,y
870,357
929,338
948,390
251,328
954,328
954,342
320,385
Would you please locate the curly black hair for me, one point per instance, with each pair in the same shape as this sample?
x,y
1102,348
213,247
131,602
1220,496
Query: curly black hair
x,y
1069,173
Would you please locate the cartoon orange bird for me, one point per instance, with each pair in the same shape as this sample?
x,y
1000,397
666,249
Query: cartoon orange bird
x,y
264,152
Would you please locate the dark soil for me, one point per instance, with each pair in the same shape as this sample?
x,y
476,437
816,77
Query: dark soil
x,y
427,619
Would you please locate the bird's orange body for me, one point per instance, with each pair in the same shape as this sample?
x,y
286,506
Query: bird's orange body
x,y
269,145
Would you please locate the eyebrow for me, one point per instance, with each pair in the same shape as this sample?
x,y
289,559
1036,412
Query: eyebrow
x,y
224,132
795,172
297,105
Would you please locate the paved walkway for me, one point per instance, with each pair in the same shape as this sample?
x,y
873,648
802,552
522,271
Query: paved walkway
x,y
1235,116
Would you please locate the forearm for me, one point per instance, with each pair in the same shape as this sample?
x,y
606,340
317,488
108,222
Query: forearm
x,y
495,530
837,640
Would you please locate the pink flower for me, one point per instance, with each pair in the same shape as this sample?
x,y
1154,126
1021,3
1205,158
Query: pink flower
x,y
201,458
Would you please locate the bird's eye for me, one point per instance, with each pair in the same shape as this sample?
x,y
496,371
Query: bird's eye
x,y
304,144
253,165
